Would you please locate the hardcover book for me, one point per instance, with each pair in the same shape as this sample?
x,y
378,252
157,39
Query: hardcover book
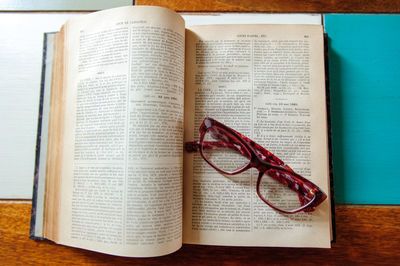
x,y
124,89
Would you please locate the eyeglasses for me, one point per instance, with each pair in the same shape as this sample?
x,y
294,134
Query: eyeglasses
x,y
231,153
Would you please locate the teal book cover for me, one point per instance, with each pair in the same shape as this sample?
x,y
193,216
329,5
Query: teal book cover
x,y
364,73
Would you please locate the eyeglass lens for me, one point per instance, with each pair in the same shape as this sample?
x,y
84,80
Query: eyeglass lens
x,y
224,151
274,188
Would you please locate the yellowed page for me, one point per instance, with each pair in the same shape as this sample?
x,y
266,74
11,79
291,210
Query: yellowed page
x,y
55,135
267,82
122,158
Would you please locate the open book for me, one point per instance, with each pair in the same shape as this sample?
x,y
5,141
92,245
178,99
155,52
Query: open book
x,y
129,86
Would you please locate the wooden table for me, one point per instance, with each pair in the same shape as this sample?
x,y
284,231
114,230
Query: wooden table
x,y
365,234
280,6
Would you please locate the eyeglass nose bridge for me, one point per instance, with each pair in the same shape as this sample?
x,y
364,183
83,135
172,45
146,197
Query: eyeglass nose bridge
x,y
261,165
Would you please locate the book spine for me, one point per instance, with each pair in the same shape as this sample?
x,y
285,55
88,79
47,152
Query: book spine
x,y
32,229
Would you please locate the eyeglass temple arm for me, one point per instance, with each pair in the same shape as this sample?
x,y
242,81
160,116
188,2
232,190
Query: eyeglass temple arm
x,y
192,146
264,154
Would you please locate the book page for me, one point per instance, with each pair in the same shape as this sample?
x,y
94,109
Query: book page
x,y
121,177
267,82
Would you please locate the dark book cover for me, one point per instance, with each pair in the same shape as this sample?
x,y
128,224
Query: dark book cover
x,y
41,140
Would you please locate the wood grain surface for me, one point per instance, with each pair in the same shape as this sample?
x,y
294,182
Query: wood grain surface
x,y
365,235
279,6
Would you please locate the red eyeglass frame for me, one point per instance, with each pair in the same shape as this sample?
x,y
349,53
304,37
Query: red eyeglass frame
x,y
263,161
